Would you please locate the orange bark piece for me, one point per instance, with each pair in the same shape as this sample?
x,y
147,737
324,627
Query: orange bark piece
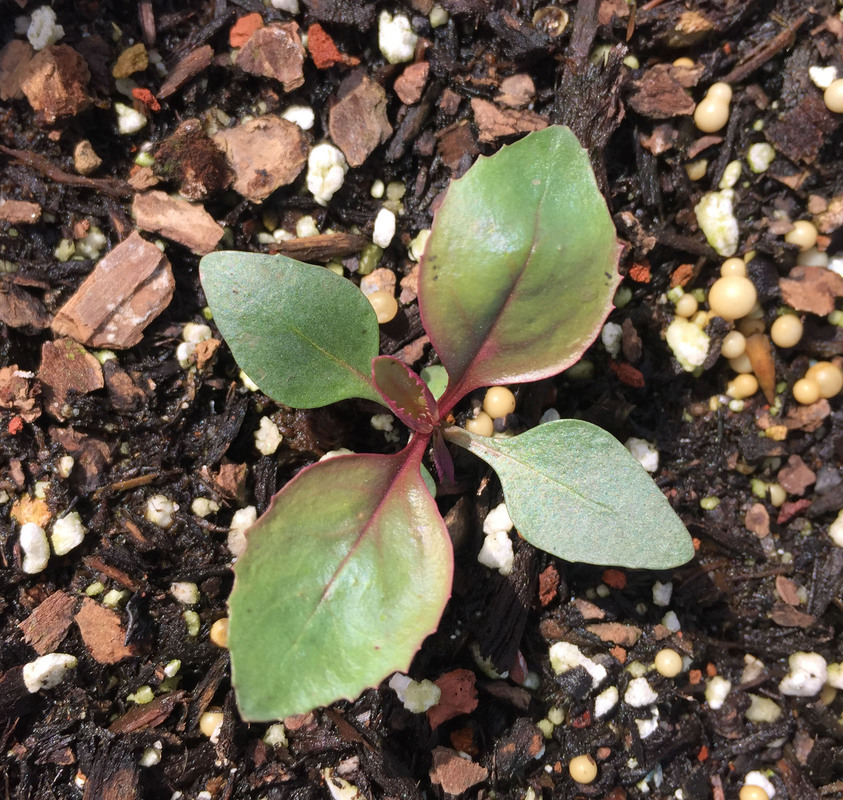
x,y
147,98
242,30
628,374
614,578
102,632
759,351
45,627
694,677
548,585
640,273
681,275
324,51
128,289
459,696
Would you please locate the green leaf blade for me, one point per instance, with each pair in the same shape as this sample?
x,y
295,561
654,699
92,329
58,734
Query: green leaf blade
x,y
304,335
520,269
574,491
341,580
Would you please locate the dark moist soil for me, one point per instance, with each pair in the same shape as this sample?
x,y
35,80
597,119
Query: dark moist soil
x,y
763,587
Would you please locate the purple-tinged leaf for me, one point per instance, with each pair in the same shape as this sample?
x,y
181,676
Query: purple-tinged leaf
x,y
520,268
405,393
342,579
442,459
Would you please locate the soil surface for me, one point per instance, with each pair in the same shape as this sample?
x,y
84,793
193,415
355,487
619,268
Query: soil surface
x,y
766,581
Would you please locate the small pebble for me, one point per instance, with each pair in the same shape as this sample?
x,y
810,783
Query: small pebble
x,y
210,724
639,693
35,548
48,671
68,532
750,792
733,345
803,235
786,330
806,392
732,297
583,769
498,402
385,305
833,96
668,663
828,378
219,632
482,424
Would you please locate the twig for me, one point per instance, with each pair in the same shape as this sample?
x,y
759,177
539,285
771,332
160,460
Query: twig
x,y
109,186
763,53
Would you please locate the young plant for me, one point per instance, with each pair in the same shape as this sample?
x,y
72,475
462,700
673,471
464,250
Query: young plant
x,y
351,566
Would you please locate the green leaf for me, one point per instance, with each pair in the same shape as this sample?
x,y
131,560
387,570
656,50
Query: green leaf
x,y
405,393
304,335
575,491
520,268
436,378
342,578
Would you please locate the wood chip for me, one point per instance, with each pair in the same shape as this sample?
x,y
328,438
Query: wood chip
x,y
801,132
830,218
178,220
812,289
264,154
588,610
19,212
497,123
14,60
454,773
790,617
658,94
18,393
125,395
409,286
456,146
661,140
787,590
189,67
516,91
128,289
625,635
409,85
795,476
149,715
67,369
757,520
322,246
20,309
102,632
458,696
55,83
275,51
91,454
358,123
807,418
44,628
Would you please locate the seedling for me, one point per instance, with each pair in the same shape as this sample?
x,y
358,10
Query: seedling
x,y
351,566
